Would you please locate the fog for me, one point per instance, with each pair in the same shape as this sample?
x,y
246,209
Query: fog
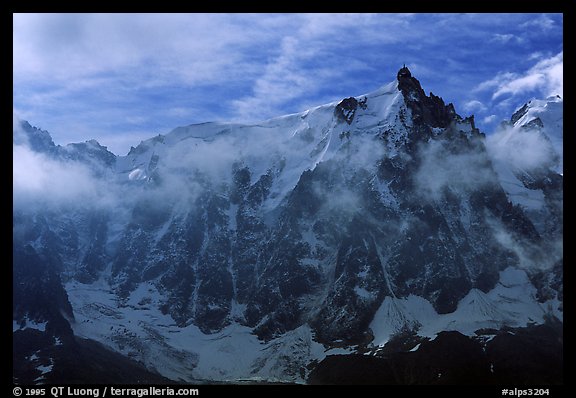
x,y
440,168
38,178
185,170
46,181
521,148
464,172
531,255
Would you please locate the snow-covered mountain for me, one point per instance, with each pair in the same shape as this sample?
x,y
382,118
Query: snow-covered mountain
x,y
545,117
527,154
228,252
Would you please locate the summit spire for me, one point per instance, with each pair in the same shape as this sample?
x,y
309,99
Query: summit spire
x,y
404,72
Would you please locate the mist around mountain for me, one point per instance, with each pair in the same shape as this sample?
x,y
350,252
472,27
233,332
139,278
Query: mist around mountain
x,y
380,239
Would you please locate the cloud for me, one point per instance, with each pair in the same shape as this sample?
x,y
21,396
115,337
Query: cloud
x,y
65,46
442,168
531,256
535,55
506,38
281,82
41,181
545,78
50,182
474,105
520,148
493,82
53,182
520,85
213,158
489,119
542,22
305,63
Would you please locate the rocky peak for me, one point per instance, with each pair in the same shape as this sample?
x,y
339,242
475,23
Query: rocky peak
x,y
519,113
428,110
90,149
38,140
404,72
534,124
346,109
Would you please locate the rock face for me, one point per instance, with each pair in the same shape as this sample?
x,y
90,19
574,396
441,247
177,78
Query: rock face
x,y
427,111
299,231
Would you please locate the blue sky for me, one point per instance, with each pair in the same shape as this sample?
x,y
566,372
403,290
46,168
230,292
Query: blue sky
x,y
122,78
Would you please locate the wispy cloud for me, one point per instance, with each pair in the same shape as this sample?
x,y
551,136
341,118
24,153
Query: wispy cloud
x,y
506,38
546,78
318,51
174,46
540,22
489,119
474,105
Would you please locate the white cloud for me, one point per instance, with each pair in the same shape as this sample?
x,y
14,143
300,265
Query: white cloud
x,y
441,168
543,23
521,149
506,38
474,106
190,47
520,85
282,81
489,119
546,78
40,180
284,77
535,55
298,70
494,82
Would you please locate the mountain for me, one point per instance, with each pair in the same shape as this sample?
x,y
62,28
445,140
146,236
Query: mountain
x,y
230,252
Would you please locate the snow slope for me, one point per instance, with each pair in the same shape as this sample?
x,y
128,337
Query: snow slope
x,y
137,329
511,303
285,146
